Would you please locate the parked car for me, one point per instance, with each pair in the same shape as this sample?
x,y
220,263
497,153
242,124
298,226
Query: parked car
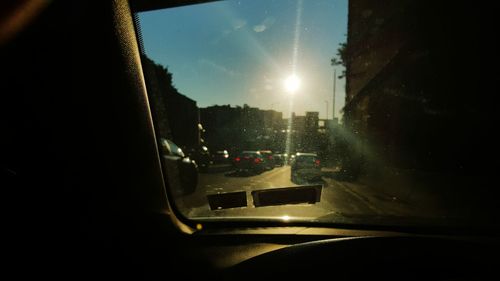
x,y
305,166
221,157
279,159
177,163
249,161
201,156
268,159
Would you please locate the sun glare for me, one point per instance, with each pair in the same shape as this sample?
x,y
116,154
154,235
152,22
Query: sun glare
x,y
292,83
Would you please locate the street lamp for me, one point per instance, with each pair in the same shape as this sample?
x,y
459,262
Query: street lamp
x,y
333,63
334,86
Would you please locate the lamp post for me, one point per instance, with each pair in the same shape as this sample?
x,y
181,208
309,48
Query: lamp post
x,y
326,109
334,86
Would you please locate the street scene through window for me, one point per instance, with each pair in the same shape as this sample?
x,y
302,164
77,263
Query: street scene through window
x,y
318,111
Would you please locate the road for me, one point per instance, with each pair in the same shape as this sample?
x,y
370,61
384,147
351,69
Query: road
x,y
337,197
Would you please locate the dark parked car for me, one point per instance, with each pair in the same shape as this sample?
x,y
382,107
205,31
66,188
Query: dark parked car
x,y
268,159
306,166
279,159
201,156
249,161
220,157
184,168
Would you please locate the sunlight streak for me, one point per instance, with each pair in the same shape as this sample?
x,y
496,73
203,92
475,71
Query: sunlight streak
x,y
289,132
298,23
298,19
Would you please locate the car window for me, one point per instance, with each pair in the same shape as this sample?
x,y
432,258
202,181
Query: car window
x,y
306,159
369,93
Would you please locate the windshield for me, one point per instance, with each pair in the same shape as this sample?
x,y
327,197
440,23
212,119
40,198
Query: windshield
x,y
317,111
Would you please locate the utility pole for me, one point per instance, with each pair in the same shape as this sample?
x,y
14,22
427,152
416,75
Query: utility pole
x,y
326,109
334,86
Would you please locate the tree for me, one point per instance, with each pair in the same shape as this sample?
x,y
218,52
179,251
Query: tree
x,y
341,58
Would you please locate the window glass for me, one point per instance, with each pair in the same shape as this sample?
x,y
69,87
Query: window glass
x,y
369,93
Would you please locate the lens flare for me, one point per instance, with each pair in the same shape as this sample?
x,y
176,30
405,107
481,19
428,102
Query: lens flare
x,y
292,83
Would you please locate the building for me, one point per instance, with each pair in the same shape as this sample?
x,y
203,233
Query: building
x,y
403,61
242,128
311,122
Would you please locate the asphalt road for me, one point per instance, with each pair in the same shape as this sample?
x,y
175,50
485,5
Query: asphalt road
x,y
337,197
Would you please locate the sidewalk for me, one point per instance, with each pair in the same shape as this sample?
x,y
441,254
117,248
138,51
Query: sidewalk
x,y
428,194
389,186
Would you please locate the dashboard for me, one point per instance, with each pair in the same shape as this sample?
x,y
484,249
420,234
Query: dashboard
x,y
385,258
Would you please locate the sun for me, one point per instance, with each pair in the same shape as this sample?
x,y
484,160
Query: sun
x,y
292,83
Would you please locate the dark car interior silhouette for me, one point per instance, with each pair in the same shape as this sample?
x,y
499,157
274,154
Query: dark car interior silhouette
x,y
90,197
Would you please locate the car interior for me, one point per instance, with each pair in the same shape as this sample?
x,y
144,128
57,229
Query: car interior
x,y
83,171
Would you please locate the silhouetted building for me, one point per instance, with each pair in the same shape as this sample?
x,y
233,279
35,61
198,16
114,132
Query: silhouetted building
x,y
311,122
242,128
298,123
222,126
304,132
272,119
403,97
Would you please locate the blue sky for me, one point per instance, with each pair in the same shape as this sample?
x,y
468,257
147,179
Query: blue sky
x,y
237,52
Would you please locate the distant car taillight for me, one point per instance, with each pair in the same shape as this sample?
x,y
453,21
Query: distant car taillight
x,y
317,162
237,159
257,160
